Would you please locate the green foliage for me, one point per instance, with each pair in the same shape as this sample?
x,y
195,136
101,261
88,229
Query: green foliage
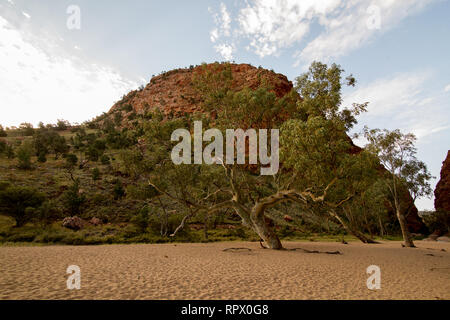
x,y
141,220
47,213
74,199
23,154
26,129
397,153
71,160
320,89
47,141
6,149
2,146
62,125
95,174
3,133
20,203
92,153
42,158
118,191
105,160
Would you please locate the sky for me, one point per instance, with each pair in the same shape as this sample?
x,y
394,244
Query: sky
x,y
73,59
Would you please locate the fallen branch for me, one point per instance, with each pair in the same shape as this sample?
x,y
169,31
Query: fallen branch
x,y
236,249
314,251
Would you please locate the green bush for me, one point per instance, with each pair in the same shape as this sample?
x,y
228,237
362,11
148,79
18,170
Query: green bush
x,y
42,158
141,220
24,153
95,174
20,203
74,199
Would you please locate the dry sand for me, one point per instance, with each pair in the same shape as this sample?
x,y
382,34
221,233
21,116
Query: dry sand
x,y
205,271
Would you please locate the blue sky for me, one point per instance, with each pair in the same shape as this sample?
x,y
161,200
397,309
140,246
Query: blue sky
x,y
398,51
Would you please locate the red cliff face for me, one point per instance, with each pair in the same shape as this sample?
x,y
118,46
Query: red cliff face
x,y
442,192
174,93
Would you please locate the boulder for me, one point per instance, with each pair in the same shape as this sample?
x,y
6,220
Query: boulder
x,y
443,239
73,223
95,221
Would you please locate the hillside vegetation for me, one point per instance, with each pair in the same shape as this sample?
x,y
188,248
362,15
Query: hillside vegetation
x,y
115,174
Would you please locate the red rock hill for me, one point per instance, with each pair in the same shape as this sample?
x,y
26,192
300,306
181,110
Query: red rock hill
x,y
174,93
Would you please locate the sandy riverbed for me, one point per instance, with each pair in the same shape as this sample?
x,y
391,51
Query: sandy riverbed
x,y
205,271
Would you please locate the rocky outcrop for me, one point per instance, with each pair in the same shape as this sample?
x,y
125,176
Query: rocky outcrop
x,y
442,191
95,221
73,223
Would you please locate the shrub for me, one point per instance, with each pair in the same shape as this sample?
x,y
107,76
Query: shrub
x,y
42,158
71,161
95,174
62,125
26,129
119,191
47,213
141,220
24,153
20,203
105,160
74,199
92,154
3,132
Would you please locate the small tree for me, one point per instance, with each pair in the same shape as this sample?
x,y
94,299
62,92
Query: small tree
x,y
62,125
42,158
397,154
18,202
47,213
74,198
24,153
26,129
141,220
119,191
71,162
2,132
95,174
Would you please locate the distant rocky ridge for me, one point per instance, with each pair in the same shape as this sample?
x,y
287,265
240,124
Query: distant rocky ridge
x,y
442,191
173,92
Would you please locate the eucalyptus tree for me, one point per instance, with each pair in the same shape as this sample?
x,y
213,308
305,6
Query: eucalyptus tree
x,y
316,167
397,153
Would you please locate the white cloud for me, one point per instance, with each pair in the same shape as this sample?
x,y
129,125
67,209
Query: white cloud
x,y
226,19
275,24
225,50
214,35
272,25
402,101
222,29
447,88
388,94
45,83
354,25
